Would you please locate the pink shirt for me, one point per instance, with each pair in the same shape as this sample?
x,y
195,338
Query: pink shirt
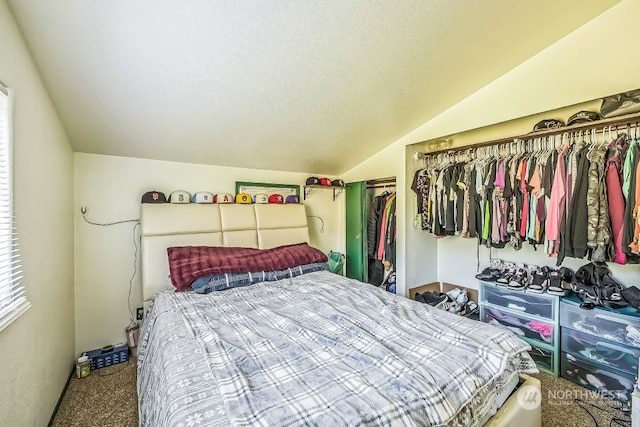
x,y
556,203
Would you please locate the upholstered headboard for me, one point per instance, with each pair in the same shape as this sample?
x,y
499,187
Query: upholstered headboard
x,y
247,225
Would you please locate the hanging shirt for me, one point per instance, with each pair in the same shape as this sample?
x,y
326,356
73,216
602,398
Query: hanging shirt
x,y
557,200
615,200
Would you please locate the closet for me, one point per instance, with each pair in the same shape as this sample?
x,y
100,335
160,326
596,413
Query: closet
x,y
371,231
572,192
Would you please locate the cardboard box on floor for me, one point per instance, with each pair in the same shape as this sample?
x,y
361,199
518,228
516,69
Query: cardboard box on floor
x,y
446,287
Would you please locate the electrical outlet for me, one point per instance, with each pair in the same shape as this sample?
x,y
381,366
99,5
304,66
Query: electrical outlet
x,y
139,313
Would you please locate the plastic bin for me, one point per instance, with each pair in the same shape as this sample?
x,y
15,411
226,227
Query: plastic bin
x,y
98,359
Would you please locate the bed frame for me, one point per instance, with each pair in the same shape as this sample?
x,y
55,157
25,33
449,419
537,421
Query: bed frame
x,y
260,226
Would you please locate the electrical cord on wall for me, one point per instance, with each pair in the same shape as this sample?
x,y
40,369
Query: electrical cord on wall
x,y
83,210
321,221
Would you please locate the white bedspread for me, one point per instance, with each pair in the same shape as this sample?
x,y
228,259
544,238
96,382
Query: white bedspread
x,y
318,349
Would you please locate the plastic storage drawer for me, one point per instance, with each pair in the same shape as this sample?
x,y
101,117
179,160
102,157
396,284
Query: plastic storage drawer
x,y
522,326
603,324
601,352
544,358
520,301
607,382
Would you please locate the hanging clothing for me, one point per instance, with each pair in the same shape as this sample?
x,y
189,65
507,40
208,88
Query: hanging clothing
x,y
615,200
580,200
374,223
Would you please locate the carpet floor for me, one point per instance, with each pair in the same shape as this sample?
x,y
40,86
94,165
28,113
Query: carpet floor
x,y
108,398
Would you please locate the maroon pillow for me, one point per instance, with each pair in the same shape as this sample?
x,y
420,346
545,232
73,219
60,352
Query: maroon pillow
x,y
188,263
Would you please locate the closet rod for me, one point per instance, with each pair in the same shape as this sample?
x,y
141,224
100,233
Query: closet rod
x,y
389,180
381,185
629,120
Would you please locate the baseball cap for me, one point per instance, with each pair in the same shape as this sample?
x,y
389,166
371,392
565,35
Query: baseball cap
x,y
583,116
313,180
276,198
337,183
243,198
292,198
325,181
260,198
202,197
180,196
223,198
153,197
548,124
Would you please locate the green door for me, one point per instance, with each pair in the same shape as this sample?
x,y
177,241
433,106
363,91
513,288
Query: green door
x,y
356,242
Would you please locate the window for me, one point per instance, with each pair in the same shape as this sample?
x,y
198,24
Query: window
x,y
13,301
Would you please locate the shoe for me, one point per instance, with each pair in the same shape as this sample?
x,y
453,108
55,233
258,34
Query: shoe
x,y
431,298
555,284
444,305
489,274
496,264
586,293
539,281
470,308
453,293
519,280
455,308
462,298
505,277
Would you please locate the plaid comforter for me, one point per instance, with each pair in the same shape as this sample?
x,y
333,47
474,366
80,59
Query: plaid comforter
x,y
318,349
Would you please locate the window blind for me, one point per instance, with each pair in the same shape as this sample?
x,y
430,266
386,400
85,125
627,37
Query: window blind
x,y
13,301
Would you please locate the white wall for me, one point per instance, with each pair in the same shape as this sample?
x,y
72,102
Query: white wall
x,y
110,187
37,350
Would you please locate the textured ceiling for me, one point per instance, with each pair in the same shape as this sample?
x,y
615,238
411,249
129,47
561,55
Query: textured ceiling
x,y
309,86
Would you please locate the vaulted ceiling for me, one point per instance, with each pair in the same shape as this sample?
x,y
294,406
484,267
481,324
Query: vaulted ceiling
x,y
308,86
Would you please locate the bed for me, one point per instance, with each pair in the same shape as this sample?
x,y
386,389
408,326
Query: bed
x,y
314,349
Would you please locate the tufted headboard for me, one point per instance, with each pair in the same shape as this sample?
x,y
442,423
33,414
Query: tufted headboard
x,y
247,225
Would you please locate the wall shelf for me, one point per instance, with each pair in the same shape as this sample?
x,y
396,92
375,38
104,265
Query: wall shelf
x,y
337,190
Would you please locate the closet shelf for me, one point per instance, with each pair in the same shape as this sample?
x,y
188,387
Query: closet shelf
x,y
337,190
628,120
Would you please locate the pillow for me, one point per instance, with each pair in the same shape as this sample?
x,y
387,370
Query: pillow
x,y
188,263
220,282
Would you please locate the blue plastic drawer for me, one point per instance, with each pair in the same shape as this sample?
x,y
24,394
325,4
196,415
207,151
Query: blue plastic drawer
x,y
536,305
609,382
606,325
523,327
594,349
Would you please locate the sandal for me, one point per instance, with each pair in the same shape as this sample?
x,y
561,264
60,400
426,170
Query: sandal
x,y
539,281
555,284
505,276
519,280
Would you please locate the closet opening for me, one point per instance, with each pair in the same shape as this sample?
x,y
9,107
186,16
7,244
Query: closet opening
x,y
371,231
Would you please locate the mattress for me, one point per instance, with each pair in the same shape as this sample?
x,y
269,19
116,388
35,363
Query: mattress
x,y
319,349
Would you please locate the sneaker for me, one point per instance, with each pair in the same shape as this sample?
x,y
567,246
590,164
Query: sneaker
x,y
453,293
462,298
445,305
489,274
470,308
431,298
